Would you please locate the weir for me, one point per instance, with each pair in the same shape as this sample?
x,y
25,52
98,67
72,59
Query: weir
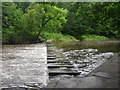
x,y
89,67
56,63
24,66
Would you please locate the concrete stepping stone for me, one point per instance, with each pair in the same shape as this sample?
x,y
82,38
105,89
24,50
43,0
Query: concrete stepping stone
x,y
22,86
58,66
63,72
13,85
51,58
81,65
50,45
50,52
51,55
56,61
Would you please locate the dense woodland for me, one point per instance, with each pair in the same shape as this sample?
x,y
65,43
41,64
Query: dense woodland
x,y
30,22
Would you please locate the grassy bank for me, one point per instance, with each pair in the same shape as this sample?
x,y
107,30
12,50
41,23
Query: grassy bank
x,y
93,37
62,37
58,37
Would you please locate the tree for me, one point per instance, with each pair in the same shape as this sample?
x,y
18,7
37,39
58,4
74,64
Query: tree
x,y
93,18
44,17
10,15
23,5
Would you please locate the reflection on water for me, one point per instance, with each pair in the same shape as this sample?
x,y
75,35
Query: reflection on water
x,y
101,46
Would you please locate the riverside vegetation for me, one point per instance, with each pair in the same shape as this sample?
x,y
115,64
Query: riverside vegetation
x,y
30,22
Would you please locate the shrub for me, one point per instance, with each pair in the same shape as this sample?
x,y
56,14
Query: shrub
x,y
58,37
94,37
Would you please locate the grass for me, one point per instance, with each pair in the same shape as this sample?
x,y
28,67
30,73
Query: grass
x,y
58,37
94,37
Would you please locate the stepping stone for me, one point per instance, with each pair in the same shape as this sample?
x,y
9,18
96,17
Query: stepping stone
x,y
102,74
49,41
81,65
58,66
59,57
51,55
63,72
50,52
50,45
54,57
56,61
13,85
51,58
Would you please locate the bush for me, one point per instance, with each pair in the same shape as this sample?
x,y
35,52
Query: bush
x,y
93,37
21,37
58,37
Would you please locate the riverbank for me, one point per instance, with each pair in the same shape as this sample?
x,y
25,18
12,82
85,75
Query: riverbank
x,y
56,37
105,76
93,37
62,37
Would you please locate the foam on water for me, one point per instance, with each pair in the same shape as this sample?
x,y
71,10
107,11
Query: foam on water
x,y
86,60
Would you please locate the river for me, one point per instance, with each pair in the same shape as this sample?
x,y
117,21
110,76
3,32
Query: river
x,y
100,45
88,55
21,62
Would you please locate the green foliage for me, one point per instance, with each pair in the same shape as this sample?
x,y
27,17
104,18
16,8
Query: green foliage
x,y
93,37
27,27
58,37
93,18
10,15
11,37
45,17
24,22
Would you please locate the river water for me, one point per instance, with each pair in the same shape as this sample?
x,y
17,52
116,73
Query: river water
x,y
101,46
88,55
